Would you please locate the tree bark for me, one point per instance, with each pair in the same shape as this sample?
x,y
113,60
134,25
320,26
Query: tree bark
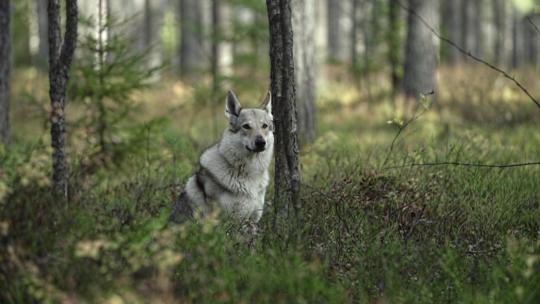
x,y
421,50
5,67
287,174
60,58
191,42
304,65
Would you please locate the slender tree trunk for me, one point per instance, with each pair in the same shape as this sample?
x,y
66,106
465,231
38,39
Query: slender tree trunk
x,y
191,42
221,49
148,26
479,23
354,34
394,45
421,50
452,19
336,30
43,46
532,39
60,58
287,174
5,66
517,38
500,20
304,65
467,23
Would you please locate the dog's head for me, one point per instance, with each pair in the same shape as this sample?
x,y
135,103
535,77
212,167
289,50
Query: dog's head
x,y
254,126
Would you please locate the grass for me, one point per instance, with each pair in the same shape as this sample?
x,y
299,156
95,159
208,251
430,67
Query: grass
x,y
369,233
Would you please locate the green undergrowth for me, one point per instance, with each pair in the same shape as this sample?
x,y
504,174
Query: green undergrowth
x,y
375,225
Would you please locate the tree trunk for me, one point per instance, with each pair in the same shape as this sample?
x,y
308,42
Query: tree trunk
x,y
452,20
60,58
500,20
222,57
479,33
337,32
5,65
532,37
43,46
517,39
191,47
394,45
354,34
421,50
287,174
304,65
467,23
148,26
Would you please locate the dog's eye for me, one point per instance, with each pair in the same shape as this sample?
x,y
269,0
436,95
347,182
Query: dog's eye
x,y
246,126
265,126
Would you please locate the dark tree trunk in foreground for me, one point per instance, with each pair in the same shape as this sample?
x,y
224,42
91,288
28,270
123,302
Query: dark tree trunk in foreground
x,y
287,174
394,44
5,61
191,50
421,50
60,57
304,66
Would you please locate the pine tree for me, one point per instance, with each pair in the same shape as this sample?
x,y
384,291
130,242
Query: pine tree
x,y
109,71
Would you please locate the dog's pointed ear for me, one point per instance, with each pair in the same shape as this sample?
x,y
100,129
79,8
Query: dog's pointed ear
x,y
267,103
232,106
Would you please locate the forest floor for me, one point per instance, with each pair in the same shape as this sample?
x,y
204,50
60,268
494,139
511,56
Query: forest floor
x,y
375,229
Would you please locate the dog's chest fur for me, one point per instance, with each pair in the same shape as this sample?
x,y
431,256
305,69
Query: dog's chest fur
x,y
243,176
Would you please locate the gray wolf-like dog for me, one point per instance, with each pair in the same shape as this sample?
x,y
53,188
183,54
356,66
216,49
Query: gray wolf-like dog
x,y
233,173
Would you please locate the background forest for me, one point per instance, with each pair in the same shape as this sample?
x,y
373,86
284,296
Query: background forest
x,y
418,123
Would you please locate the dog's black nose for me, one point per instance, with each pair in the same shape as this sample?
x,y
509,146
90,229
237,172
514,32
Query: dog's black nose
x,y
260,142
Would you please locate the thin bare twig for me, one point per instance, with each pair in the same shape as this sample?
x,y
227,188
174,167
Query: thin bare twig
x,y
460,164
533,25
469,54
403,127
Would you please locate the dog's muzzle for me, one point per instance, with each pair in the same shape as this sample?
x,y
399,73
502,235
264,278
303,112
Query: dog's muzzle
x,y
260,145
